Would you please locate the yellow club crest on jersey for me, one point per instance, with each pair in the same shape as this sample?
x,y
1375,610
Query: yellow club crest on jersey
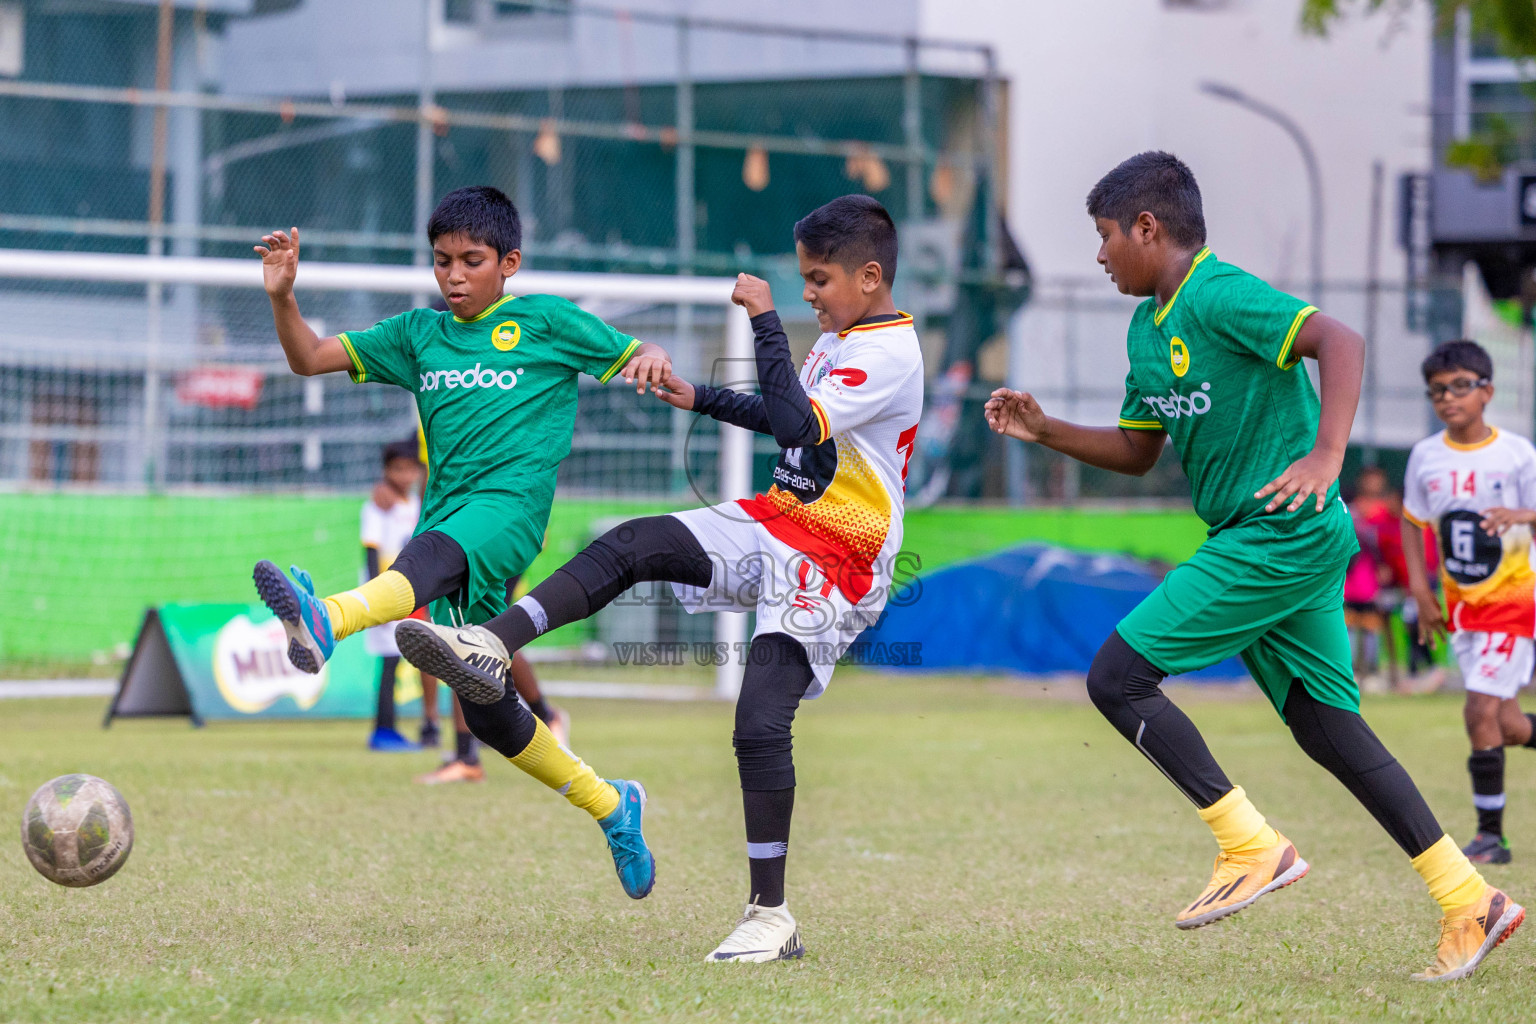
x,y
1178,357
506,335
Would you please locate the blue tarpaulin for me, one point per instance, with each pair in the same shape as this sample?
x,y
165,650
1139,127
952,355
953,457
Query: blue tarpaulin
x,y
1030,609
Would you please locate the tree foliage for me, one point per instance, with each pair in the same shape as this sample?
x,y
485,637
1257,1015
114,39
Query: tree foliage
x,y
1511,22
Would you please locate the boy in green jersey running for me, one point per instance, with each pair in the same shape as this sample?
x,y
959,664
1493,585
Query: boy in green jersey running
x,y
1214,354
495,384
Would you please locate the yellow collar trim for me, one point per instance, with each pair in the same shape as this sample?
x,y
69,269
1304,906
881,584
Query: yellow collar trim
x,y
1160,315
1484,443
493,307
902,320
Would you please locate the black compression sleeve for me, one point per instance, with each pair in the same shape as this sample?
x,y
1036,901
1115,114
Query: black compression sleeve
x,y
788,407
733,407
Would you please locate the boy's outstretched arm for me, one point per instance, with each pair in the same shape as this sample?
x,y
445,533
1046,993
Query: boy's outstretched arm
x,y
1340,355
724,404
650,366
307,352
1017,414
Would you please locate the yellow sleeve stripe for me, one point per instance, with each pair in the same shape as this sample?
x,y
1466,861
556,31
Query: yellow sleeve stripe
x,y
1126,424
618,363
359,372
1284,360
821,419
1414,519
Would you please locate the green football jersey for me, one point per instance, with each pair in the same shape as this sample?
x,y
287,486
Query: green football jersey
x,y
1214,369
496,394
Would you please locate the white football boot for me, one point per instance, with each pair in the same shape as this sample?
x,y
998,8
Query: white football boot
x,y
763,934
470,659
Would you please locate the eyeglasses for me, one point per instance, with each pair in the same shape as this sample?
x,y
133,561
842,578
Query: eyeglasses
x,y
1460,387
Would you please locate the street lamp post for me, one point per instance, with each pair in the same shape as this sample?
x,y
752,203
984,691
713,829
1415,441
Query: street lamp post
x,y
1314,178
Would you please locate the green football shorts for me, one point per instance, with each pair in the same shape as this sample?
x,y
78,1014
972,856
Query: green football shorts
x,y
499,543
1244,593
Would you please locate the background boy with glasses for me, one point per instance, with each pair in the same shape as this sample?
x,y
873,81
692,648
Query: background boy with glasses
x,y
1475,486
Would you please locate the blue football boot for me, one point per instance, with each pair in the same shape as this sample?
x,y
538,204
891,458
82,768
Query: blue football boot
x,y
389,741
304,618
631,857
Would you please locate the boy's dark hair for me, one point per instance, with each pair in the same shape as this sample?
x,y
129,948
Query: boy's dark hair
x,y
406,449
851,231
1157,183
481,213
1460,354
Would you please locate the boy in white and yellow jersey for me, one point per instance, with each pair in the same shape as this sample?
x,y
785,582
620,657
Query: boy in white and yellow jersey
x,y
1475,486
813,556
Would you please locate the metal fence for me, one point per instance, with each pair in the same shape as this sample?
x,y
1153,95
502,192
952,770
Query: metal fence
x,y
692,150
1068,348
696,154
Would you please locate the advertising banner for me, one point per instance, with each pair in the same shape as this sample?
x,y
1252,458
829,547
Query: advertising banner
x,y
230,661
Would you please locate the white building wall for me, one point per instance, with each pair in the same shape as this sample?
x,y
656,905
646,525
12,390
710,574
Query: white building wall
x,y
1093,83
362,47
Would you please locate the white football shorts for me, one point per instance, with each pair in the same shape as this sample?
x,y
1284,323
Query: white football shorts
x,y
1497,664
755,571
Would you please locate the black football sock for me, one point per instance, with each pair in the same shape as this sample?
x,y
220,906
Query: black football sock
x,y
384,716
768,813
1532,741
653,548
464,747
1487,770
558,600
540,710
1127,690
1341,742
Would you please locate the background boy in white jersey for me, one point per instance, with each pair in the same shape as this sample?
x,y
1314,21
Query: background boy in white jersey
x,y
813,556
387,523
1476,486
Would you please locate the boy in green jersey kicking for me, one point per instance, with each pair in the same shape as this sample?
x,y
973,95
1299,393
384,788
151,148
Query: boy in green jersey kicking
x,y
1214,355
495,384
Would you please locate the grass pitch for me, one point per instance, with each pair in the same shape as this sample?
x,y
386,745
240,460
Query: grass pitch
x,y
962,851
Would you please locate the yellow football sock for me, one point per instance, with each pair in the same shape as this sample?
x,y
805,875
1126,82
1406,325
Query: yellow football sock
x,y
566,773
385,598
1237,824
1452,880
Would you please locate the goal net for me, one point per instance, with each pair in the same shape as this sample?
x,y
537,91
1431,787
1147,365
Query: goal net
x,y
154,444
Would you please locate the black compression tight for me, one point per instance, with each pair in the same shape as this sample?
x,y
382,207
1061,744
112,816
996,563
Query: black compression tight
x,y
1126,689
1341,742
777,675
656,548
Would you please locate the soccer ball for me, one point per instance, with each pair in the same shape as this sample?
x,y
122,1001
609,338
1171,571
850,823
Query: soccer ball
x,y
77,830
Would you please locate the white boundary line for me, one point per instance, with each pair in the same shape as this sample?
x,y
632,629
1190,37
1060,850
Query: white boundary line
x,y
626,691
12,689
16,688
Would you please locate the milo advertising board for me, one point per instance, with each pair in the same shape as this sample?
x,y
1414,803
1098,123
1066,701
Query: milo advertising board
x,y
230,661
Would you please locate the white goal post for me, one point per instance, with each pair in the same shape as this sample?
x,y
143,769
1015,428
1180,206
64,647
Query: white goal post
x,y
735,452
